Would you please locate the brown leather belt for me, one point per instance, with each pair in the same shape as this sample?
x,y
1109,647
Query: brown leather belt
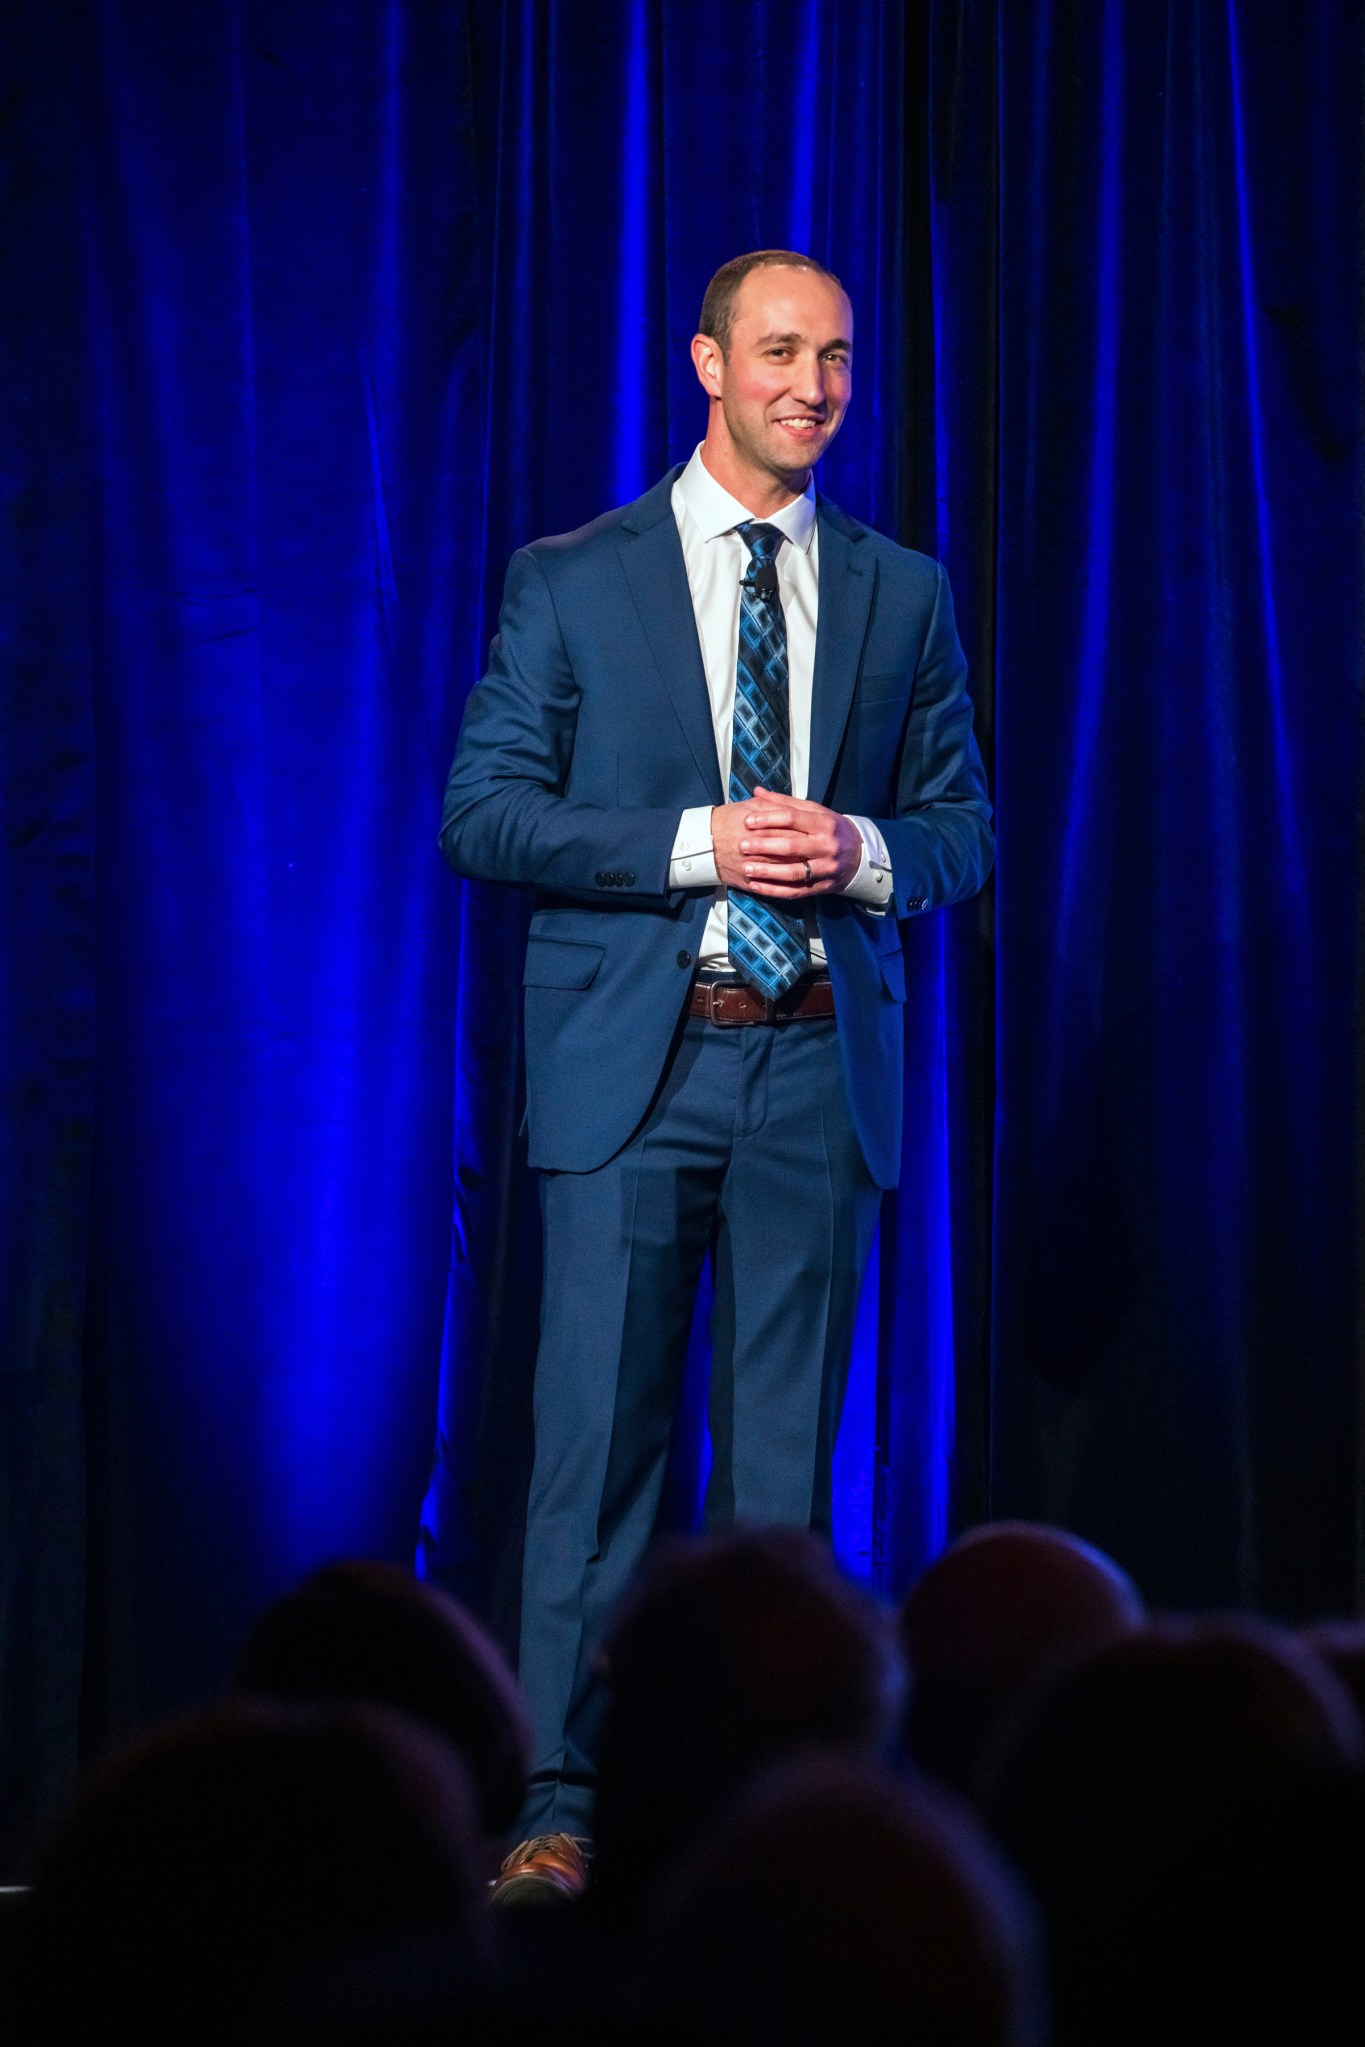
x,y
730,1002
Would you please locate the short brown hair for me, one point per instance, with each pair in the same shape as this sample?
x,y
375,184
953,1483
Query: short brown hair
x,y
718,306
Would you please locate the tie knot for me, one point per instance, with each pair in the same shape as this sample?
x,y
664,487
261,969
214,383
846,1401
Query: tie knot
x,y
761,541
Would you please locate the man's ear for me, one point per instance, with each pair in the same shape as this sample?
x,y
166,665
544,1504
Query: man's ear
x,y
709,363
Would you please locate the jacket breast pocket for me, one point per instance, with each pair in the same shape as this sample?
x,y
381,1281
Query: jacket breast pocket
x,y
561,963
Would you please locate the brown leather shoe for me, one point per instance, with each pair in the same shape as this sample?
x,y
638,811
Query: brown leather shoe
x,y
548,1870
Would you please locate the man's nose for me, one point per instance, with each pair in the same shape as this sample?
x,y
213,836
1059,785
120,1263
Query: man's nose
x,y
809,387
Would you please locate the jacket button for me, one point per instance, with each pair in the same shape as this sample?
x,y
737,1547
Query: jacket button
x,y
684,959
600,878
628,879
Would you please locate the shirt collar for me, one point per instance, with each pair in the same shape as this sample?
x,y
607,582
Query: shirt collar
x,y
713,511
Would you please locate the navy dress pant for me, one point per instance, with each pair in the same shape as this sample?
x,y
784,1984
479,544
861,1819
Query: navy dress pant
x,y
748,1151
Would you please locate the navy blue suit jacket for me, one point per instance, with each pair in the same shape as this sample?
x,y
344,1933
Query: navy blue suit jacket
x,y
591,732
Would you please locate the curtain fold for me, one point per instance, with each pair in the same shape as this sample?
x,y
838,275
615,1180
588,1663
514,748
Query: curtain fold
x,y
1177,756
47,926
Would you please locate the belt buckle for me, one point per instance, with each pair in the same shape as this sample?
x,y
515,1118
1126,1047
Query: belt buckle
x,y
715,996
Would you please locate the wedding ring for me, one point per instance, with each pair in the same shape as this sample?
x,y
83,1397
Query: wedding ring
x,y
808,874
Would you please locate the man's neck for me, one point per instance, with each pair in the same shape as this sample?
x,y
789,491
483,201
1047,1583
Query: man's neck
x,y
758,492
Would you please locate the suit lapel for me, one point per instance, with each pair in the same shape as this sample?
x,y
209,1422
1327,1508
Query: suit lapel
x,y
847,580
652,558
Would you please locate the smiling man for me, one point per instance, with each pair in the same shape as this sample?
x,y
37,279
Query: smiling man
x,y
725,737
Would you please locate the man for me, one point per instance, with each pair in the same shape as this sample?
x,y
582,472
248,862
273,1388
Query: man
x,y
725,736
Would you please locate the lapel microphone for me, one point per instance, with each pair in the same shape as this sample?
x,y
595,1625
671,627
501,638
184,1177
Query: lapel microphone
x,y
762,580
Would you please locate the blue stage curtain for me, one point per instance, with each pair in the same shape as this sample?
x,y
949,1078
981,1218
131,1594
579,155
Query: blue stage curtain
x,y
309,317
1178,669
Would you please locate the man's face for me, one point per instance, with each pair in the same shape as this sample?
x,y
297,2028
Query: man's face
x,y
785,380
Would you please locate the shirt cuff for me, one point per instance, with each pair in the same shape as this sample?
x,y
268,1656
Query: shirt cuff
x,y
873,884
692,863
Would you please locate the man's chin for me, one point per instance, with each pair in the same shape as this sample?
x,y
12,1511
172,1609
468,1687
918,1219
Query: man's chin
x,y
807,445
797,454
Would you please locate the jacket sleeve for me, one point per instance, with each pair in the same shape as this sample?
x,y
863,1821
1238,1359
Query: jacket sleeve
x,y
510,813
940,838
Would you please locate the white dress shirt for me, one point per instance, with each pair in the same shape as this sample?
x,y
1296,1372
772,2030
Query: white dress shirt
x,y
717,562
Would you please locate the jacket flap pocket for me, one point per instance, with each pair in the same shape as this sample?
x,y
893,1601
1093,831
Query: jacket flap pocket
x,y
561,963
892,965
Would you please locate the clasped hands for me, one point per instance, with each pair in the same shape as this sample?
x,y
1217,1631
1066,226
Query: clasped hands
x,y
784,847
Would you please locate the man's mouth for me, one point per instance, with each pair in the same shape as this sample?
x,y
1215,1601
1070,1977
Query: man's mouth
x,y
801,423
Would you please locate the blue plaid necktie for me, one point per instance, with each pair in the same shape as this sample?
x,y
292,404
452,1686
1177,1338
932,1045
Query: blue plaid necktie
x,y
767,944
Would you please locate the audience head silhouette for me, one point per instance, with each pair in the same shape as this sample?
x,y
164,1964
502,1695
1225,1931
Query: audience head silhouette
x,y
1177,1717
987,1619
735,1651
837,1902
1172,1727
369,1633
204,1868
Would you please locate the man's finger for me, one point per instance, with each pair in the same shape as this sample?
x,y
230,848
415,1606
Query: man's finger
x,y
788,891
796,854
786,848
767,797
807,833
762,795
